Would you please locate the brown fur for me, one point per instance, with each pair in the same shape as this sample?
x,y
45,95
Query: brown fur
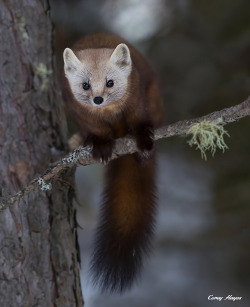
x,y
129,198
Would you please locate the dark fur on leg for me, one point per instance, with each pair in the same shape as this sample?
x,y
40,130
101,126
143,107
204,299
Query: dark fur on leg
x,y
102,147
144,135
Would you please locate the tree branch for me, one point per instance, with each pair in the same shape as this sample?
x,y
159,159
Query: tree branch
x,y
126,145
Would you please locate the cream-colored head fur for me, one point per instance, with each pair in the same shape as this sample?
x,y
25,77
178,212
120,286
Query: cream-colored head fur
x,y
96,67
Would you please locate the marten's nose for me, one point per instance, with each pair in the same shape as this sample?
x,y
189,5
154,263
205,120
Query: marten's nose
x,y
98,100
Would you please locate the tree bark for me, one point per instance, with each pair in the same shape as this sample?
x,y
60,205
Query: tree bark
x,y
38,241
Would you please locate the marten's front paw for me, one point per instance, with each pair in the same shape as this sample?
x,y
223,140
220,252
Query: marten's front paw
x,y
102,148
102,151
145,138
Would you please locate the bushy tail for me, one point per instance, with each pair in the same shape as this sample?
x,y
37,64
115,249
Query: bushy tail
x,y
126,224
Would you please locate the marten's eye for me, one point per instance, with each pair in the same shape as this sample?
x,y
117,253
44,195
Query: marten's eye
x,y
86,86
110,83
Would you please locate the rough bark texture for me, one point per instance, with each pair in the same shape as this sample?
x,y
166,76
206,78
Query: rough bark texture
x,y
38,256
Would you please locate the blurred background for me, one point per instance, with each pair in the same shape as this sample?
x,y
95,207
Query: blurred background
x,y
201,52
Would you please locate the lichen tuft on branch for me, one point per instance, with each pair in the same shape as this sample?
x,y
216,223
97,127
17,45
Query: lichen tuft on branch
x,y
207,136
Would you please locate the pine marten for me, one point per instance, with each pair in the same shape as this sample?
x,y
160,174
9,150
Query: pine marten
x,y
110,91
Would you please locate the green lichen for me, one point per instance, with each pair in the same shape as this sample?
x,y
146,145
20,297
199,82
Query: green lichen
x,y
207,136
42,72
20,21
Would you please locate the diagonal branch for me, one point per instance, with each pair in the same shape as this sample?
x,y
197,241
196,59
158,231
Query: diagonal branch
x,y
126,145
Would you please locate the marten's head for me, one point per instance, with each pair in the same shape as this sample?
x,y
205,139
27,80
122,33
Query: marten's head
x,y
98,77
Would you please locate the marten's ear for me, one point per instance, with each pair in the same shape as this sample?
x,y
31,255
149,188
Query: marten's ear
x,y
121,56
71,62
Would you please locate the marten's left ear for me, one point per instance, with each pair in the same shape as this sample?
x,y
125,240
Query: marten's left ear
x,y
121,56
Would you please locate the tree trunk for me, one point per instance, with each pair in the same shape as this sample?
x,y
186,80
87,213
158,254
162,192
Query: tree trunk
x,y
38,253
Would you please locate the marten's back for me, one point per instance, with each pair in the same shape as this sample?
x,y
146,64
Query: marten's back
x,y
98,40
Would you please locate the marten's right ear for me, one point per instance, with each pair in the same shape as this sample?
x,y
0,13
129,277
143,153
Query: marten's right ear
x,y
71,62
